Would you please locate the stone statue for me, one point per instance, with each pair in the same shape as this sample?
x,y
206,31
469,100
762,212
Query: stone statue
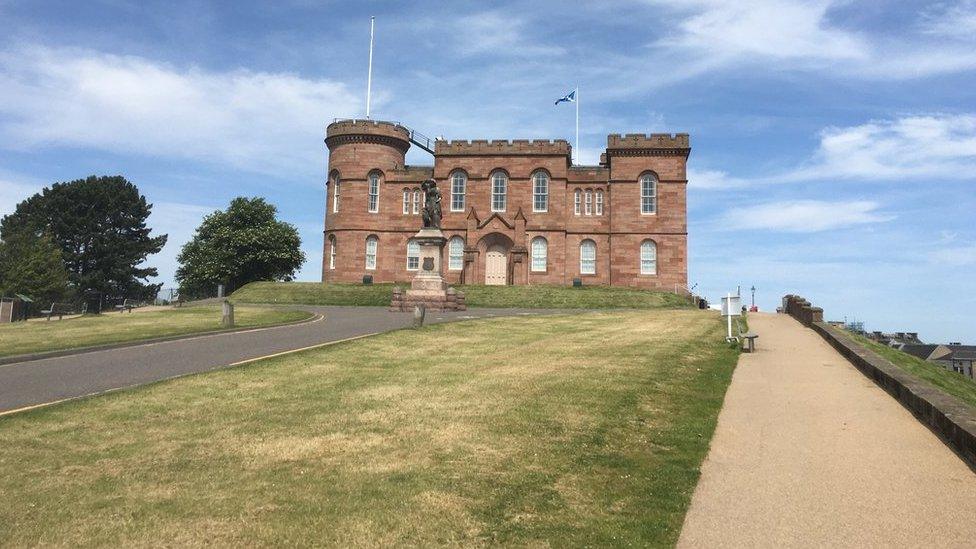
x,y
432,205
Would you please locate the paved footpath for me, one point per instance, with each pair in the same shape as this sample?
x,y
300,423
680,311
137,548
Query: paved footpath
x,y
37,382
809,452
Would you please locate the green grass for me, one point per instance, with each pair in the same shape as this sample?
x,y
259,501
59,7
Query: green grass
x,y
948,381
39,336
567,431
536,296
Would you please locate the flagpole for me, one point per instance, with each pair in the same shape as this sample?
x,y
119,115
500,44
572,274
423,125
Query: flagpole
x,y
577,124
369,72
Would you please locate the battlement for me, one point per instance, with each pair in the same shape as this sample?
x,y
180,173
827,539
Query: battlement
x,y
652,141
372,131
484,147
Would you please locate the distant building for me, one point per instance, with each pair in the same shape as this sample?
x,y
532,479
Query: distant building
x,y
953,356
896,339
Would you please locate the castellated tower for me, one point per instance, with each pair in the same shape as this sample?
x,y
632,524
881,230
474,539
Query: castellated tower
x,y
514,212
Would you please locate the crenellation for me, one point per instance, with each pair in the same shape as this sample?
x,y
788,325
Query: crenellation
x,y
557,147
648,141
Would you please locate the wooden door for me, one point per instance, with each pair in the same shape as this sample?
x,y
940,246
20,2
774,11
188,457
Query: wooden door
x,y
496,266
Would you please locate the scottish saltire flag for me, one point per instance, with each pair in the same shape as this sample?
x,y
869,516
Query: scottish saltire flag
x,y
571,98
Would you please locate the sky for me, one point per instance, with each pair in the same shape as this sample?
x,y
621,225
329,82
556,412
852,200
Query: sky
x,y
833,142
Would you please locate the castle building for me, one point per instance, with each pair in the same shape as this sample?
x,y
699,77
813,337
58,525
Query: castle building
x,y
514,212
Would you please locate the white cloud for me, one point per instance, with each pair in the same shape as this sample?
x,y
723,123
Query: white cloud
x,y
804,216
958,256
714,179
910,147
957,21
263,122
499,34
13,193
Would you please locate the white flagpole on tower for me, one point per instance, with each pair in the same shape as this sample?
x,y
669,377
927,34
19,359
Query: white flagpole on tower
x,y
369,73
576,161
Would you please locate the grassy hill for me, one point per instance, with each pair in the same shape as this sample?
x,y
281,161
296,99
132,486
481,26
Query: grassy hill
x,y
582,430
536,297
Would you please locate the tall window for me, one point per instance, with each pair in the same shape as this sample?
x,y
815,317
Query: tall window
x,y
416,201
332,251
648,184
455,254
540,252
648,257
459,181
499,191
371,242
335,192
576,201
599,202
406,201
587,257
373,183
588,209
413,255
540,191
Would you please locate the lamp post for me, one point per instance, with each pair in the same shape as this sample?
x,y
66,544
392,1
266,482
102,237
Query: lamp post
x,y
753,295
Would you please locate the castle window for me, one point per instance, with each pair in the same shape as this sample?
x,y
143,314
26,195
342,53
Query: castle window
x,y
332,251
576,201
459,181
648,257
371,243
416,201
540,191
455,254
499,191
648,185
588,208
540,252
335,192
413,255
406,201
373,205
587,257
599,202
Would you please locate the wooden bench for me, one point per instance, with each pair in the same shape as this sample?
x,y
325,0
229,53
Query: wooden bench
x,y
59,310
127,305
749,340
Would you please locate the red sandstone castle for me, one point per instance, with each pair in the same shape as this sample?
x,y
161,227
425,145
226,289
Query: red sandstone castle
x,y
514,212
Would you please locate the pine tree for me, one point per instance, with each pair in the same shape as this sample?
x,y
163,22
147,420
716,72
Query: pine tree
x,y
32,265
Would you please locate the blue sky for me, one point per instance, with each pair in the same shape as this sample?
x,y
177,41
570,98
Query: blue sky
x,y
834,142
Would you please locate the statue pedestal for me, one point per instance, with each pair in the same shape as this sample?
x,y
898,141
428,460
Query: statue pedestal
x,y
428,287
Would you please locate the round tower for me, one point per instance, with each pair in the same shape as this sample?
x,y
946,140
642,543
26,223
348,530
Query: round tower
x,y
357,148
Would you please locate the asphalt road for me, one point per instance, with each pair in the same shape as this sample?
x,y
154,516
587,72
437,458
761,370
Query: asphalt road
x,y
27,384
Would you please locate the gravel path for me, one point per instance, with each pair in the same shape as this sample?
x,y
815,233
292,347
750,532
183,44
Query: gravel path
x,y
809,452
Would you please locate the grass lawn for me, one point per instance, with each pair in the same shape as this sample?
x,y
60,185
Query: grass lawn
x,y
537,296
575,430
33,337
948,381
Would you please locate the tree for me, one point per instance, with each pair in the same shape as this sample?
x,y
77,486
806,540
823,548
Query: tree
x,y
32,265
237,246
100,225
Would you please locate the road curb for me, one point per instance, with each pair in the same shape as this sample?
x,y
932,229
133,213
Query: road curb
x,y
30,357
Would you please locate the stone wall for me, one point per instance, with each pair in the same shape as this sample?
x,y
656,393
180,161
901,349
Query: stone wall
x,y
948,417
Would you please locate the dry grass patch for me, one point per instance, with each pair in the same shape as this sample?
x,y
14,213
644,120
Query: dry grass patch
x,y
568,431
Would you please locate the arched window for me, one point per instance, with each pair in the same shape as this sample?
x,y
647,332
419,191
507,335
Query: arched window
x,y
459,183
576,201
587,257
648,184
648,257
599,202
540,191
406,201
455,254
588,206
413,255
371,243
499,191
373,202
332,251
416,201
540,253
335,192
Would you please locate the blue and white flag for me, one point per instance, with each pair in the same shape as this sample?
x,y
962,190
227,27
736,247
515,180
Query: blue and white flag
x,y
571,98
